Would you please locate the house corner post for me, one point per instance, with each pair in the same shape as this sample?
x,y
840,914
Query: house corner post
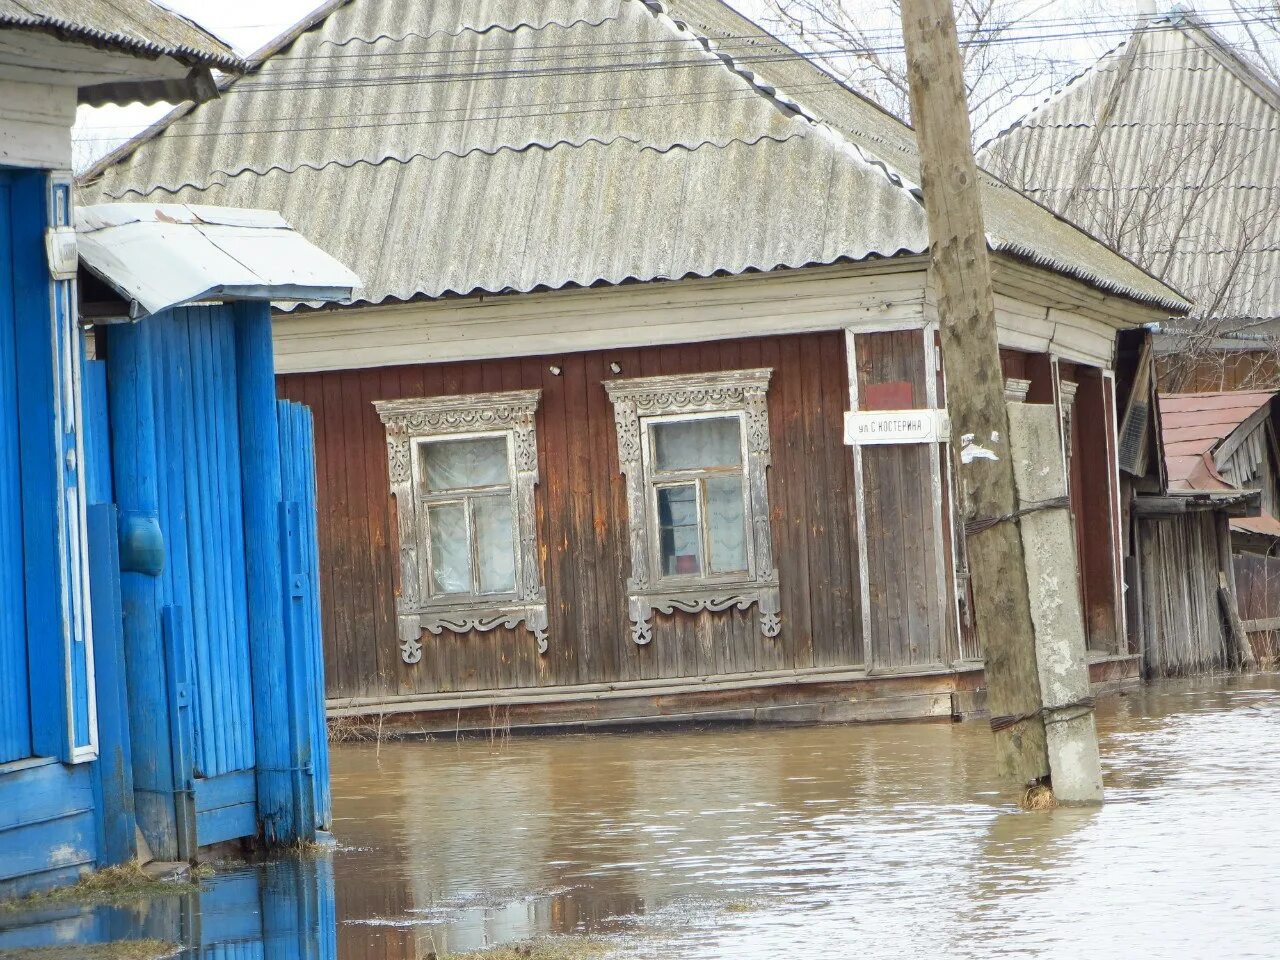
x,y
277,751
141,552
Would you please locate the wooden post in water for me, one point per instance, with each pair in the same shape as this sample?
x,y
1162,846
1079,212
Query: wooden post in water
x,y
961,274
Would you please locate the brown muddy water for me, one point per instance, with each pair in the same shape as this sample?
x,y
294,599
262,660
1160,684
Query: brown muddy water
x,y
870,841
838,841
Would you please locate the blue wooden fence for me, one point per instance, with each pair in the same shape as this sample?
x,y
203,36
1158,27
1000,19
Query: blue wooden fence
x,y
302,579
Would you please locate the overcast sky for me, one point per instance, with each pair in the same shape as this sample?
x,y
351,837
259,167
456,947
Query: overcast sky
x,y
248,24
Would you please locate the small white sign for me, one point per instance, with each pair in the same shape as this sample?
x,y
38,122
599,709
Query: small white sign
x,y
896,426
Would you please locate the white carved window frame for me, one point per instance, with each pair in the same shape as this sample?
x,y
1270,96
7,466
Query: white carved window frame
x,y
637,403
413,422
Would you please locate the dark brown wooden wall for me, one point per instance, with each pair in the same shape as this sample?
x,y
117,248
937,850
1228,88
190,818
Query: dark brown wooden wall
x,y
582,525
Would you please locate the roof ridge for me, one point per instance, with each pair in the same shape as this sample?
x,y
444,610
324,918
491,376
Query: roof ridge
x,y
1244,71
1057,93
898,176
1181,20
783,100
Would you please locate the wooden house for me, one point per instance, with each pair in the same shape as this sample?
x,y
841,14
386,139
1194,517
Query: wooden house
x,y
157,523
1165,148
639,413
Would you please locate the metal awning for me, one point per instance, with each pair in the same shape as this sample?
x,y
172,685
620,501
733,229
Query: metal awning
x,y
160,256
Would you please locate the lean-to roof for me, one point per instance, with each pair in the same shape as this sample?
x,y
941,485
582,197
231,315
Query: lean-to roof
x,y
476,145
1167,148
137,27
1192,426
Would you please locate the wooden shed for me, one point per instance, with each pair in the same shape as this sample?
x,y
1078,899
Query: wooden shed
x,y
1224,443
639,415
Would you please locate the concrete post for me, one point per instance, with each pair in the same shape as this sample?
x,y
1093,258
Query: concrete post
x,y
1049,547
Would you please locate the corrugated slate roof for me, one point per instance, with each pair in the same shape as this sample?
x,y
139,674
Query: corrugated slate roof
x,y
1167,147
1193,424
490,145
132,26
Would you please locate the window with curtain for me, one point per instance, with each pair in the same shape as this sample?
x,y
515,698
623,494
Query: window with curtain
x,y
700,494
463,471
695,451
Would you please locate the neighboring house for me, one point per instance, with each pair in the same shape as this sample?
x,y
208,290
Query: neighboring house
x,y
1166,149
581,440
1228,441
159,649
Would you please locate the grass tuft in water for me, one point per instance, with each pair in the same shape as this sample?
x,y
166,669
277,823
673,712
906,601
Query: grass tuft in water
x,y
1039,796
118,950
551,948
124,884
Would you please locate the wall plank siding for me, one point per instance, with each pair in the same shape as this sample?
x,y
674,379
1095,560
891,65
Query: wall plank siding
x,y
907,627
582,524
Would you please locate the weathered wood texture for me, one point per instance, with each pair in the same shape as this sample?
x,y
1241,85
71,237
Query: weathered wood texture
x,y
1181,617
582,526
1258,595
902,548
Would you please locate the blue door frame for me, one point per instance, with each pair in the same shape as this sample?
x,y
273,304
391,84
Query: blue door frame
x,y
92,485
48,741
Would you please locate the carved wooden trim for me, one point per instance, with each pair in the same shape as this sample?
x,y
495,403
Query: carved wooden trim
x,y
1015,389
411,421
735,391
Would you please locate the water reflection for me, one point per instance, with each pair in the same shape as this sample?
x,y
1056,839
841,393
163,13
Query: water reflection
x,y
276,911
879,842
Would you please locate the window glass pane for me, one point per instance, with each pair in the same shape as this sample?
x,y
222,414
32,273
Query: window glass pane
x,y
678,530
455,464
450,554
726,525
694,444
495,544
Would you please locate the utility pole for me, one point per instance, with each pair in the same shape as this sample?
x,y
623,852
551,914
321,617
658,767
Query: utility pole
x,y
961,273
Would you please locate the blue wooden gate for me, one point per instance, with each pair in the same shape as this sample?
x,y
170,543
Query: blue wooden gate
x,y
203,587
15,706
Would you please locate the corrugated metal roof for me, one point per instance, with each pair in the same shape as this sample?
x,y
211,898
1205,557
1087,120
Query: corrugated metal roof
x,y
1193,424
1167,147
459,146
159,256
133,26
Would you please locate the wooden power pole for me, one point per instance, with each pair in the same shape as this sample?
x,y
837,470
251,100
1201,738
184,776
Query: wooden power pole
x,y
961,273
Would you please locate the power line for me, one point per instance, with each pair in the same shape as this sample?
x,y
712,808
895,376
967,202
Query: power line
x,y
486,112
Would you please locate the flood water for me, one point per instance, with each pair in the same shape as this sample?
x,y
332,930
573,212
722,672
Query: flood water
x,y
838,841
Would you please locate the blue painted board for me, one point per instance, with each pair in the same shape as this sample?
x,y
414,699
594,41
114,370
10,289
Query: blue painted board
x,y
227,823
49,845
15,703
36,790
277,751
117,814
302,575
47,824
135,468
223,791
